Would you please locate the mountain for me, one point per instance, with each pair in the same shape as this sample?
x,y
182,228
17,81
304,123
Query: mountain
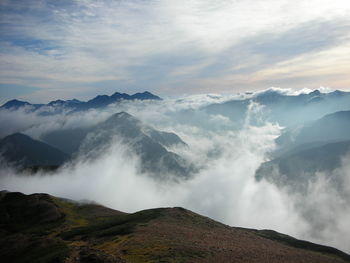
x,y
21,150
75,105
330,128
104,100
302,151
290,110
287,110
42,228
65,103
150,144
15,104
147,142
297,167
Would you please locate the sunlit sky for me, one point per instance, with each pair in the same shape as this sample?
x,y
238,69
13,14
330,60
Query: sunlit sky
x,y
65,49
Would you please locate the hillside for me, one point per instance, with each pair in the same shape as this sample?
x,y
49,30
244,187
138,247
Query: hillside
x,y
23,151
43,228
303,151
297,167
148,143
330,128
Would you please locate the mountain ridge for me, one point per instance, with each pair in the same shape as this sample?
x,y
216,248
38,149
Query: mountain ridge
x,y
61,230
286,110
26,152
151,145
96,102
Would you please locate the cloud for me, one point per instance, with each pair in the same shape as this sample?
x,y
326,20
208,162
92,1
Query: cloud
x,y
76,47
311,54
158,113
324,206
224,188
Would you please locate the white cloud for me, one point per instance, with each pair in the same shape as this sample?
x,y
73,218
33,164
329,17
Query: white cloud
x,y
87,41
224,189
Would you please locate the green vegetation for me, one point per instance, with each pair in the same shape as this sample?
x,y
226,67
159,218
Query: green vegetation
x,y
70,209
54,230
116,225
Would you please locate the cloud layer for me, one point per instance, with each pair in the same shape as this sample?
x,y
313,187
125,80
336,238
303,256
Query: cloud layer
x,y
68,49
225,187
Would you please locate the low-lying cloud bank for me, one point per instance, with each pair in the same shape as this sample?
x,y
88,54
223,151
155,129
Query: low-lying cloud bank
x,y
224,188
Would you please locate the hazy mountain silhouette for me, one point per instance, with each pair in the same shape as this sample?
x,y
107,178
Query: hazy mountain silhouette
x,y
77,105
21,150
317,146
287,110
330,128
150,144
147,142
297,167
15,104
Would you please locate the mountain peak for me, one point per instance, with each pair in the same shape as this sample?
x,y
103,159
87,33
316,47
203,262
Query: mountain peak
x,y
316,92
74,101
15,104
118,95
146,95
122,117
56,102
122,114
17,136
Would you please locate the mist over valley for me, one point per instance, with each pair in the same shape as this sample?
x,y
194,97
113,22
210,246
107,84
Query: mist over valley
x,y
265,160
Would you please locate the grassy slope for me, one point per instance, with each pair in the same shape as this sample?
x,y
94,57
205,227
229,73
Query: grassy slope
x,y
92,233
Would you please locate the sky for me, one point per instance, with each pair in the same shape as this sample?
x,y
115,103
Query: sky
x,y
52,49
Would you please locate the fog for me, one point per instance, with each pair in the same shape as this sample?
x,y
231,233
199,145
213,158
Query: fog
x,y
224,188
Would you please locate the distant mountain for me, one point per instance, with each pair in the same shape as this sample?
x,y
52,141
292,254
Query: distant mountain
x,y
284,109
330,128
302,151
150,144
21,150
296,168
65,103
236,110
76,105
291,110
147,142
15,104
104,100
43,228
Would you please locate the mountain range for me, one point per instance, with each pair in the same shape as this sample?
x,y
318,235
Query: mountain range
x,y
300,166
42,228
307,149
313,142
148,143
56,147
329,128
73,105
286,110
